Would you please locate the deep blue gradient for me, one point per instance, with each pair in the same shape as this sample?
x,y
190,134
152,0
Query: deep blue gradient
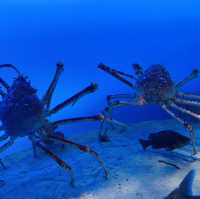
x,y
37,34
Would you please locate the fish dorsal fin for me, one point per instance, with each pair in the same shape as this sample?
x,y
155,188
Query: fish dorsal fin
x,y
185,188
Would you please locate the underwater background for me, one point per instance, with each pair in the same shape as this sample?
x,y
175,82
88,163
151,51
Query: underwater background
x,y
36,34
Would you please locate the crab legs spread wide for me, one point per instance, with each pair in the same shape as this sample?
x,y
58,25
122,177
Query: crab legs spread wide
x,y
23,113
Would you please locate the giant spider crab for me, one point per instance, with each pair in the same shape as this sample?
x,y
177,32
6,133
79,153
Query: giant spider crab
x,y
154,86
23,113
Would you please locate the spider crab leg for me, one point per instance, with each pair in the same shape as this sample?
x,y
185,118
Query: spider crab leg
x,y
4,84
10,66
84,149
2,93
187,102
99,117
34,145
4,137
193,75
108,114
123,74
189,95
186,111
115,101
119,96
48,95
59,161
7,144
2,164
188,126
103,127
115,74
90,89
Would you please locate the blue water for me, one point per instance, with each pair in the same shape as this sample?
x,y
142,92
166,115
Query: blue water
x,y
36,34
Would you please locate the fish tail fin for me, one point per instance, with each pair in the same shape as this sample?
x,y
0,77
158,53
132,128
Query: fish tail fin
x,y
144,143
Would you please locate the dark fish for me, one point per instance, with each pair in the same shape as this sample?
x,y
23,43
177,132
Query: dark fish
x,y
168,139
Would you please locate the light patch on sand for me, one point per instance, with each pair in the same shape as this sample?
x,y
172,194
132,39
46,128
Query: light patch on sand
x,y
134,173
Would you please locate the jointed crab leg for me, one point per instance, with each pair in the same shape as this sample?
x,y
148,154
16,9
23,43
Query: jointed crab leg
x,y
48,95
123,74
90,89
103,129
119,103
83,148
59,161
189,95
115,74
187,102
183,110
4,137
34,146
115,122
192,76
99,117
185,124
10,66
108,115
2,164
2,93
4,84
108,111
7,144
120,96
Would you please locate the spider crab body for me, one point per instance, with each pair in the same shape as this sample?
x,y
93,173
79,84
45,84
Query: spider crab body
x,y
23,113
21,110
154,86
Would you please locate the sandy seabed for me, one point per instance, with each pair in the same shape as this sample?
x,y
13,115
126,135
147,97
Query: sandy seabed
x,y
133,173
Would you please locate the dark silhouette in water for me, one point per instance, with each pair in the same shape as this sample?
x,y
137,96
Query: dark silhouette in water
x,y
167,139
184,191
